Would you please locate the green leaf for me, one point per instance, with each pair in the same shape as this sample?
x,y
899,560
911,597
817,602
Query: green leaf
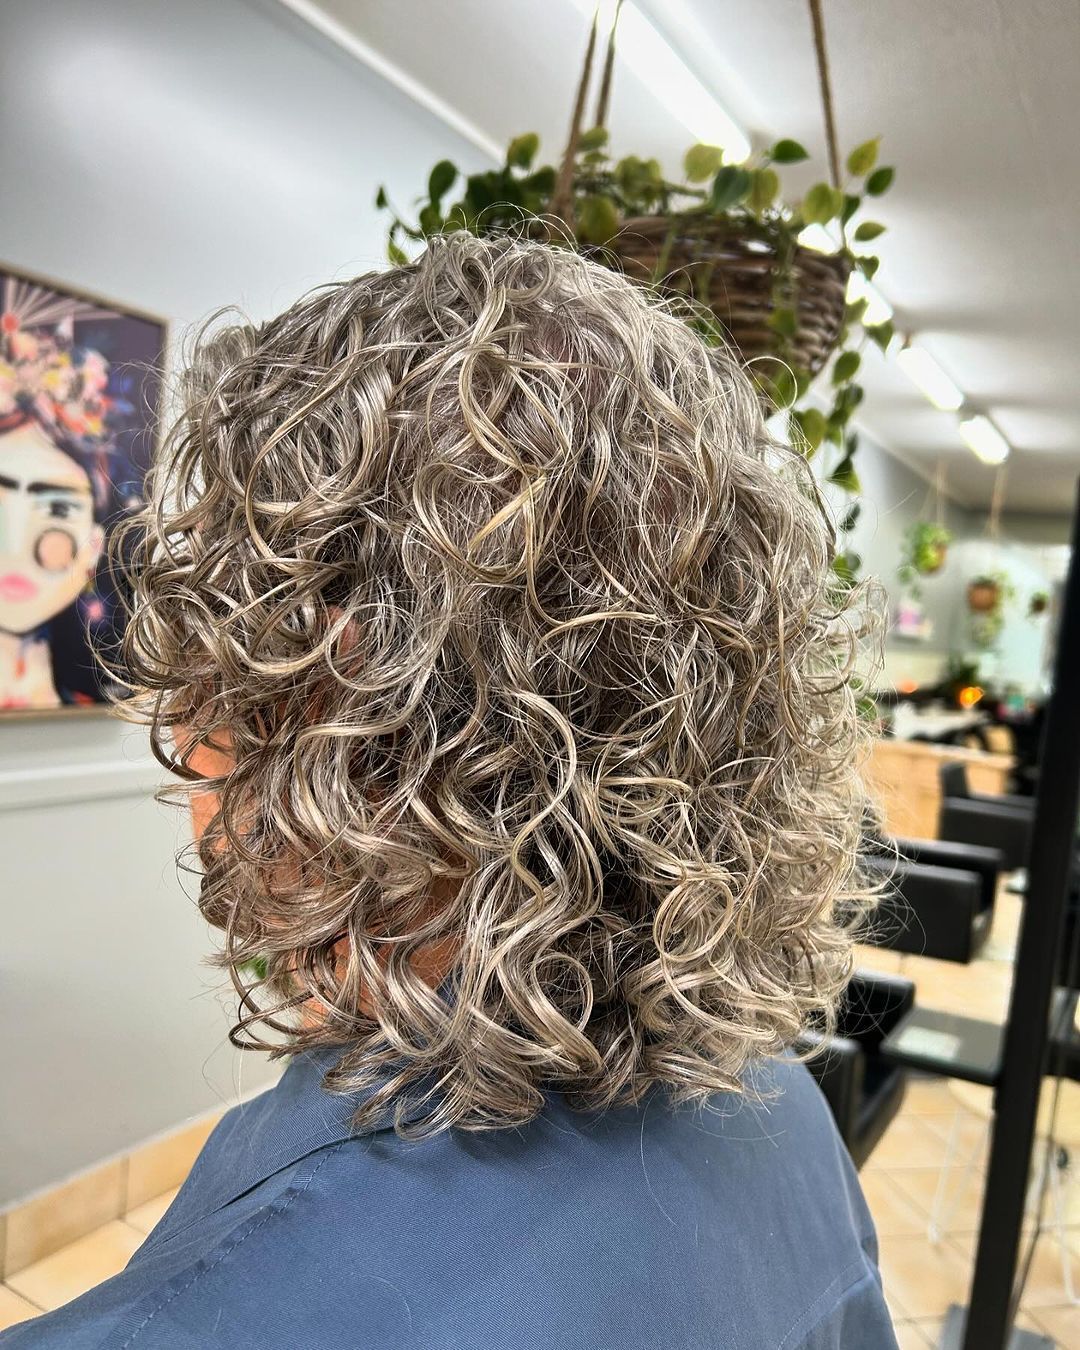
x,y
811,422
845,477
881,333
593,139
520,151
851,519
846,567
701,162
869,229
396,254
851,205
431,221
863,158
541,182
730,185
846,366
597,219
381,200
784,321
868,266
764,185
441,180
788,151
479,193
781,388
819,205
880,181
854,312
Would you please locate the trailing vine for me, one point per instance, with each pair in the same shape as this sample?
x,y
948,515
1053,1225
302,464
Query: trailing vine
x,y
748,198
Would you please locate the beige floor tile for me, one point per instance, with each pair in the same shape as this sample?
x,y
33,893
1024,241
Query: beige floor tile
x,y
72,1270
146,1217
1063,1324
163,1164
44,1223
894,1213
964,1194
925,1279
930,1329
968,1137
880,959
910,1336
1045,1286
897,1311
14,1309
929,1097
908,1142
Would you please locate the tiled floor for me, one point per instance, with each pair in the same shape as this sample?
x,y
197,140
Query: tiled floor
x,y
921,1277
58,1278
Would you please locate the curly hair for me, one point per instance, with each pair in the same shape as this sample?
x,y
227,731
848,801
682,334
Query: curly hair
x,y
520,633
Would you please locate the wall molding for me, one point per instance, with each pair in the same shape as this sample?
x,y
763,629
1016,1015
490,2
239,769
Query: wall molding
x,y
29,787
349,41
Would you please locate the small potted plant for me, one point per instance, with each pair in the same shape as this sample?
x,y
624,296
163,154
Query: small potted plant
x,y
925,548
984,595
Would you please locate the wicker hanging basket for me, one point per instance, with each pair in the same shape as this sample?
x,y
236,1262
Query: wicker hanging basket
x,y
729,266
732,269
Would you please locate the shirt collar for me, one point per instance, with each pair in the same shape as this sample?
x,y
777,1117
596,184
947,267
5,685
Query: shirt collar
x,y
263,1136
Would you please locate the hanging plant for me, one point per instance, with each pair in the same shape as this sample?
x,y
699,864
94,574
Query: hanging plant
x,y
726,239
987,596
984,595
923,553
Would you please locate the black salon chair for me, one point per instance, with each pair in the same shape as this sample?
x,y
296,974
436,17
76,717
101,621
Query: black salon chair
x,y
967,817
937,898
864,1090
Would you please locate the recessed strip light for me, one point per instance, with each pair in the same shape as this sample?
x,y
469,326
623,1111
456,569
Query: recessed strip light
x,y
669,79
925,373
985,440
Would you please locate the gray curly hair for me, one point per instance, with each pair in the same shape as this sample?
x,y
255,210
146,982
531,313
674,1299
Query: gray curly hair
x,y
520,633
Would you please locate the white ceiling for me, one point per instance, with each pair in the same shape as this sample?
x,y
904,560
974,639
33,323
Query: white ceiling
x,y
978,104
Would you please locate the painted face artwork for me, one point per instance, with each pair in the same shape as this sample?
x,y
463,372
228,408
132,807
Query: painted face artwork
x,y
49,543
79,389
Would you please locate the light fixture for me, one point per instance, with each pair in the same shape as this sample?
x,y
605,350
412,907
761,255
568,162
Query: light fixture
x,y
669,79
927,376
985,440
878,310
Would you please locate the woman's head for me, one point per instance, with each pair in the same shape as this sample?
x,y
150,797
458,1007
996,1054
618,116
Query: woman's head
x,y
50,536
519,633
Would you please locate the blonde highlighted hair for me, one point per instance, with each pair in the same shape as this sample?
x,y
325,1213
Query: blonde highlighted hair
x,y
521,634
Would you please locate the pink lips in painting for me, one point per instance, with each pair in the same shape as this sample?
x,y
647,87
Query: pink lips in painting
x,y
14,587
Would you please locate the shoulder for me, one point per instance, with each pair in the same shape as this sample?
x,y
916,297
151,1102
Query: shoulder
x,y
576,1230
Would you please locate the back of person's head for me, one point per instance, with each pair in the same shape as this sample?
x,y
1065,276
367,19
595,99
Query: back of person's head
x,y
519,634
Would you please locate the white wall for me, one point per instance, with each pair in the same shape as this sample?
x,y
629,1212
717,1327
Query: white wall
x,y
1032,551
1022,654
178,157
893,497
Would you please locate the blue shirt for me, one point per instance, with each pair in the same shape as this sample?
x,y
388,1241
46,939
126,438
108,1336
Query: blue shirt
x,y
737,1227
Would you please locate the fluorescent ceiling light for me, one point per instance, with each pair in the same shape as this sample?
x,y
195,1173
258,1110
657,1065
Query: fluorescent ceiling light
x,y
925,373
984,438
878,309
667,76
